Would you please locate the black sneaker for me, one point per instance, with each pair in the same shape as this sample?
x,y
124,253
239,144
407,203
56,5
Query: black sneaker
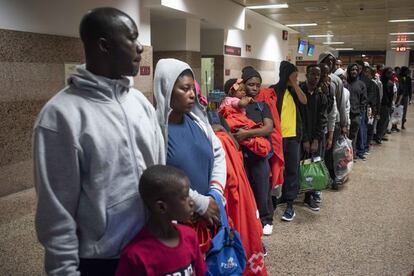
x,y
311,204
289,214
335,184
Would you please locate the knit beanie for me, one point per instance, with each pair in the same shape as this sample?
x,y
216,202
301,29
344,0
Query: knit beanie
x,y
249,72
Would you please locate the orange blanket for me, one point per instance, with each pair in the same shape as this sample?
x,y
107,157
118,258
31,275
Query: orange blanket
x,y
268,95
241,207
235,119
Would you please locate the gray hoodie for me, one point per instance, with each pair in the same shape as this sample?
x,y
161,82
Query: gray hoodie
x,y
166,73
92,142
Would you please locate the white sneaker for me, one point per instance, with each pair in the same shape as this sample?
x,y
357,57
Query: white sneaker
x,y
268,230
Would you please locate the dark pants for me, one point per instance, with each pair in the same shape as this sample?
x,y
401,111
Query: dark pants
x,y
383,121
98,267
362,134
258,170
329,162
404,102
290,187
353,131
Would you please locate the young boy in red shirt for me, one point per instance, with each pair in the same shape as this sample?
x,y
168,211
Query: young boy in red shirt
x,y
163,247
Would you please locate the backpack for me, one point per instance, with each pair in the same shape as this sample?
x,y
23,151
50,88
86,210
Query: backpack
x,y
226,255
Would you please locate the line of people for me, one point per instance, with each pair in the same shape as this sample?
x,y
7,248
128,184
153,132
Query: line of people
x,y
112,172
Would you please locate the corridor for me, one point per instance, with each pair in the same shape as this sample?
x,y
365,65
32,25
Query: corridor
x,y
365,228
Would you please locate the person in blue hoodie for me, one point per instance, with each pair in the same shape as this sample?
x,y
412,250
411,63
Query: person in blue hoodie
x,y
91,143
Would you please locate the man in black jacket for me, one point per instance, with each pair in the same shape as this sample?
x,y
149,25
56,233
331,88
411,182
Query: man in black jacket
x,y
357,100
404,92
314,121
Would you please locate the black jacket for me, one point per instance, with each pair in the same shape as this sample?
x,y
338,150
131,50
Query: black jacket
x,y
388,93
404,88
314,114
357,97
371,92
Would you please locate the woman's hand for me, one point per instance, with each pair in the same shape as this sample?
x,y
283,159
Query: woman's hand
x,y
212,215
241,134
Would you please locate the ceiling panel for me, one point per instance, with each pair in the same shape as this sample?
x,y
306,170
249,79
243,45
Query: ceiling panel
x,y
362,25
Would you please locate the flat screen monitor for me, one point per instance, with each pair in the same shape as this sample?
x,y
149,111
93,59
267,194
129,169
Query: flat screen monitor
x,y
301,46
311,50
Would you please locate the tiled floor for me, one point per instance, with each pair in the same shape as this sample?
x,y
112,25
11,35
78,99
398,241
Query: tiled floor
x,y
366,228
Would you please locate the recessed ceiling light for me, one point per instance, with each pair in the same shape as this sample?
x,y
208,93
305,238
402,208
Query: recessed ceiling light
x,y
333,42
407,41
301,25
325,35
401,33
275,6
401,20
344,49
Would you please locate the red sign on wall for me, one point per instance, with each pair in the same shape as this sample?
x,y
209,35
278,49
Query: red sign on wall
x,y
285,35
305,62
230,50
145,70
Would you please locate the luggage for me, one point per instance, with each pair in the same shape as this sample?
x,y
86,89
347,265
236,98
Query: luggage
x,y
226,255
342,157
313,175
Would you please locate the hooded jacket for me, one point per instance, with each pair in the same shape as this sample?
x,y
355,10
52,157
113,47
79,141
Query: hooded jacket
x,y
285,70
358,94
91,143
165,76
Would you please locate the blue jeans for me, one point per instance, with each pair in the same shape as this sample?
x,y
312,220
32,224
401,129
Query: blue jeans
x,y
362,135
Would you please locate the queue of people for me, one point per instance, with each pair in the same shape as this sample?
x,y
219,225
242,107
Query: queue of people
x,y
125,188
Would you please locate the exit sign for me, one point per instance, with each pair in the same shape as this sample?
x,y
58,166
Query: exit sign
x,y
145,70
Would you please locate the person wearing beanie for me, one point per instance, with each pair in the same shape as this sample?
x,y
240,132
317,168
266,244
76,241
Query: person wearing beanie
x,y
289,97
258,167
341,124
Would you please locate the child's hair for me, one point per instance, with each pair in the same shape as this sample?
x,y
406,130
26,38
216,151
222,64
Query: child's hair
x,y
234,85
160,182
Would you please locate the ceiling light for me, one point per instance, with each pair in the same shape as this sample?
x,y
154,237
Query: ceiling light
x,y
301,25
326,35
408,48
344,49
275,6
401,20
401,33
406,41
333,42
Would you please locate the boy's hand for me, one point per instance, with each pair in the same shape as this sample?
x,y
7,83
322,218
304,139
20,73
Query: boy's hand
x,y
212,215
306,146
329,141
314,147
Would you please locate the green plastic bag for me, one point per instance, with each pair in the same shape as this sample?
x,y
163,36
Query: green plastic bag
x,y
313,175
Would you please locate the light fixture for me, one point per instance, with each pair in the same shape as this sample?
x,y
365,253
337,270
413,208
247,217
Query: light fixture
x,y
344,49
406,41
401,33
301,25
408,48
275,6
333,42
401,20
325,35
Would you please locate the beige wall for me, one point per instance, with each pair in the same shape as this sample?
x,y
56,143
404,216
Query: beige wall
x,y
31,72
192,58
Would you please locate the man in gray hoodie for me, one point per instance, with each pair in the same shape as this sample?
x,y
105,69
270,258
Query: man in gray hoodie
x,y
341,126
91,143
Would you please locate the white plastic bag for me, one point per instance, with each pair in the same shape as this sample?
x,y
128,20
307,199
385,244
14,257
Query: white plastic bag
x,y
343,157
396,116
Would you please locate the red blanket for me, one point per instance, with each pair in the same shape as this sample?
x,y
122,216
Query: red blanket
x,y
235,119
241,207
268,95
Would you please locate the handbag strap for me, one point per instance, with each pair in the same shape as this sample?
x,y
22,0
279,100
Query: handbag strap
x,y
219,201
